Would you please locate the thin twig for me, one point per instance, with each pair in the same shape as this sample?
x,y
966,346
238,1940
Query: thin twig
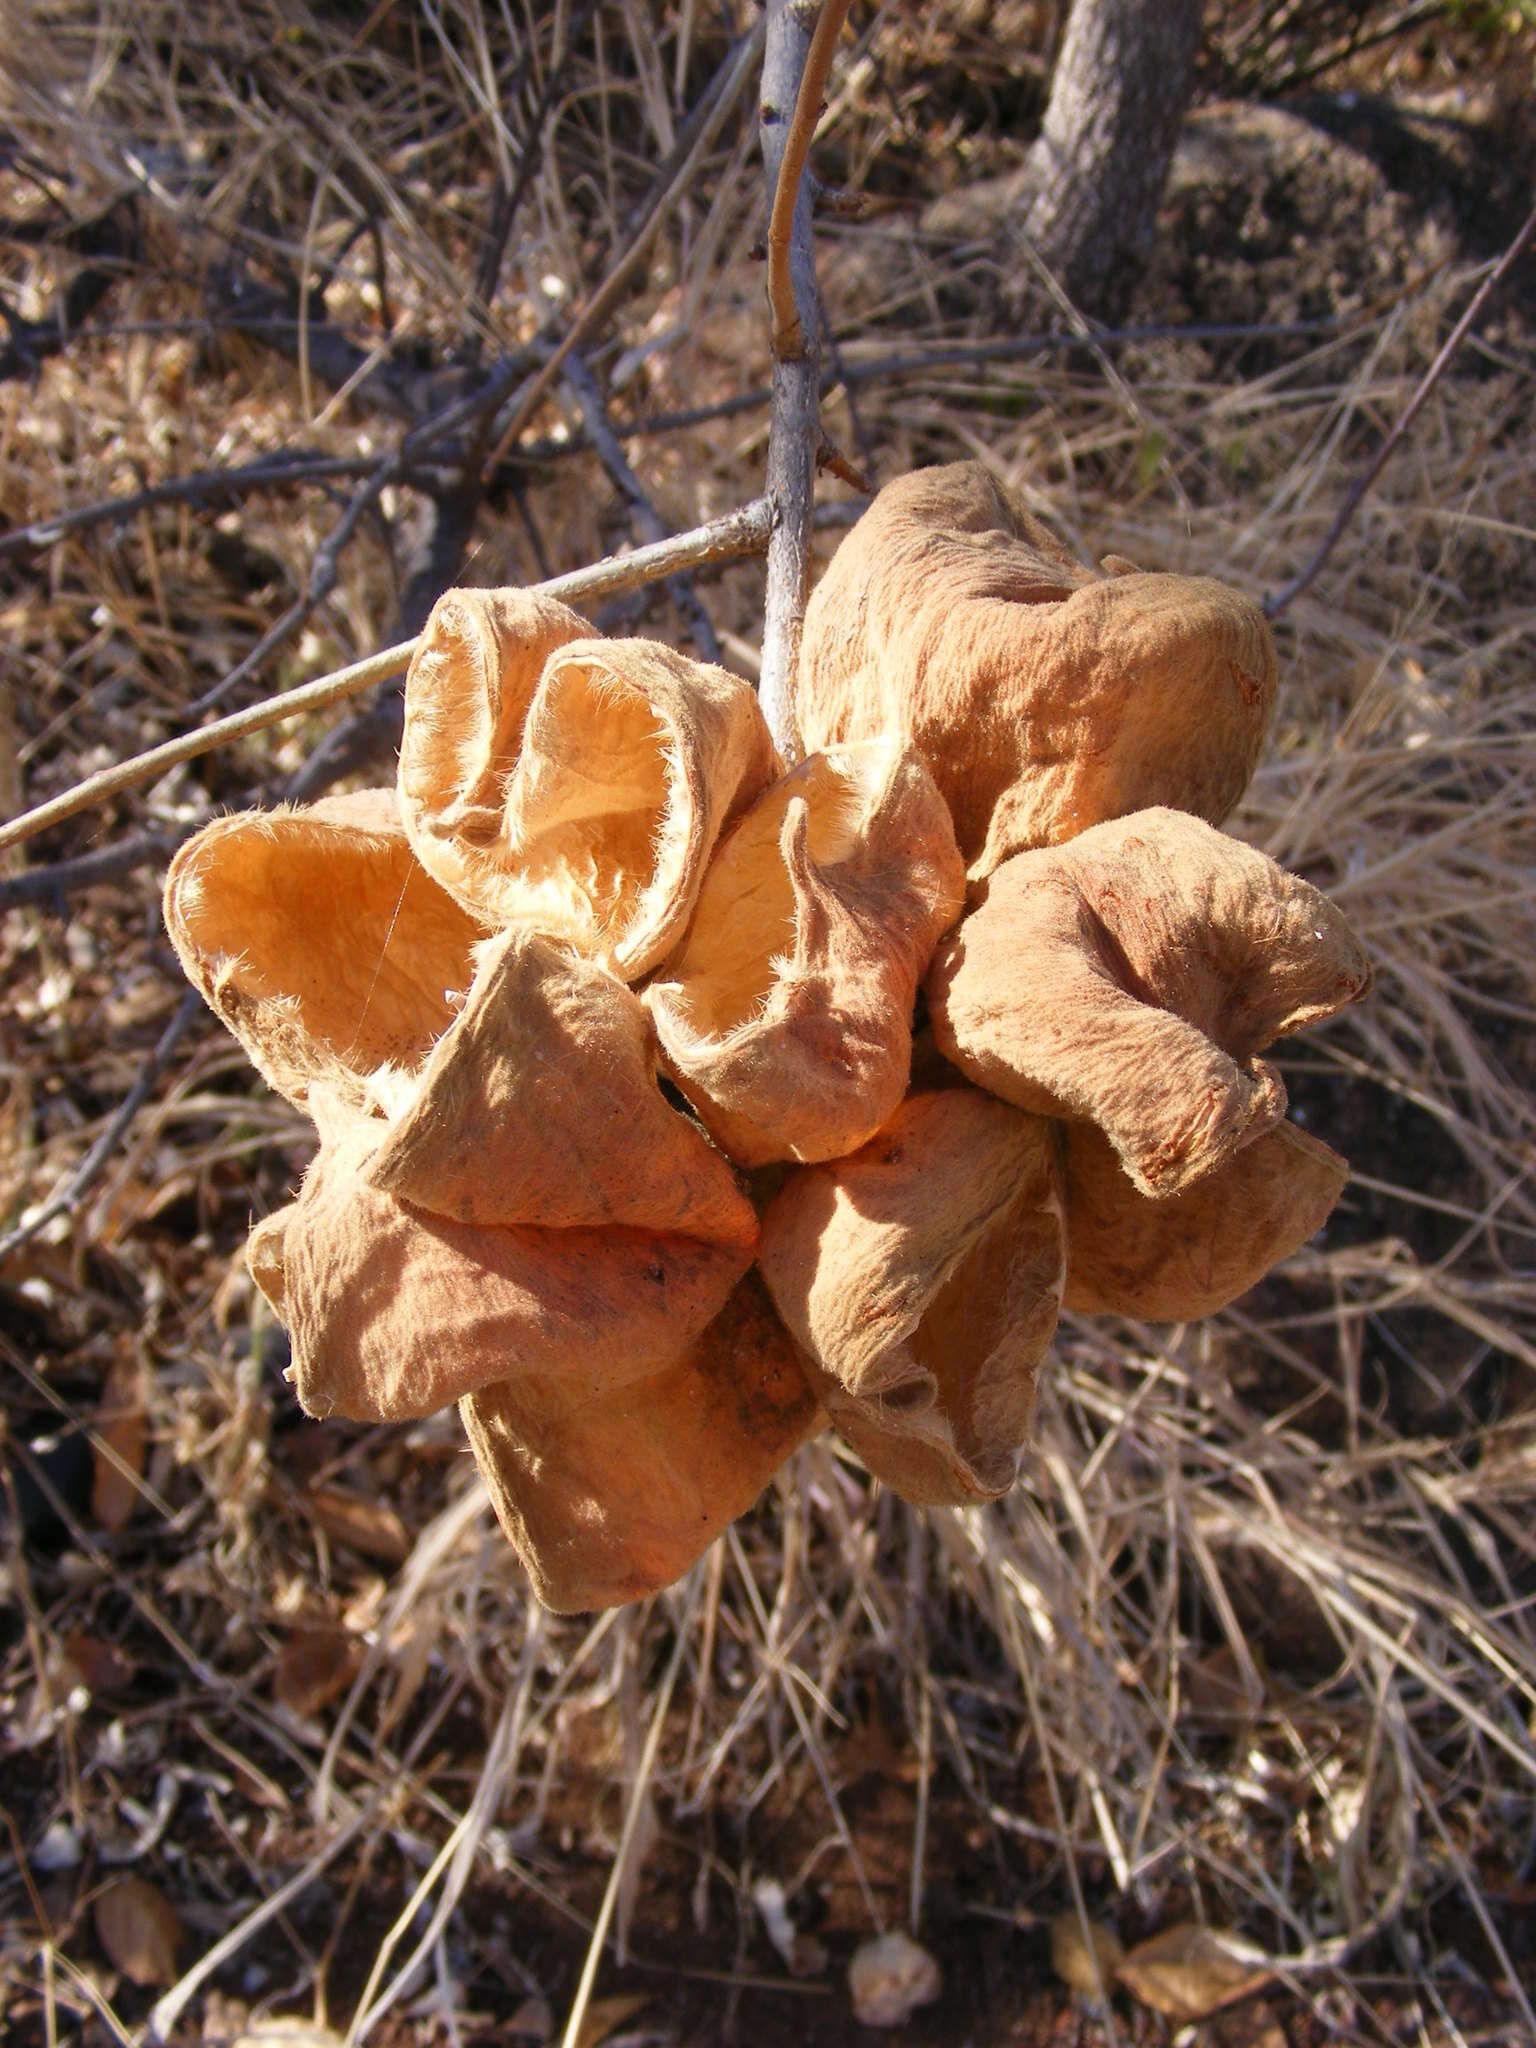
x,y
509,197
956,355
1360,38
1285,597
723,540
304,466
637,1799
66,1200
202,487
419,447
108,237
318,585
605,443
373,731
788,328
726,89
51,886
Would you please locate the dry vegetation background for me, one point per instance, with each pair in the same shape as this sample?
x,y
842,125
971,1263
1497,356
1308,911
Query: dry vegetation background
x,y
1254,1644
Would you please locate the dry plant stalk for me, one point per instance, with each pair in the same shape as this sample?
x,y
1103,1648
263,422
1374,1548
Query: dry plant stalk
x,y
507,1212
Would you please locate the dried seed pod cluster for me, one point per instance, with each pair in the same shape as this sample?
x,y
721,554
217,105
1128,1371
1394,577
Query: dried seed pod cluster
x,y
598,955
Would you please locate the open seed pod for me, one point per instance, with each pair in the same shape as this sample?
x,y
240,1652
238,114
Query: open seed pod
x,y
264,1253
575,784
786,1017
317,938
535,1211
1189,1255
467,693
1045,696
634,760
922,1276
1130,977
608,1492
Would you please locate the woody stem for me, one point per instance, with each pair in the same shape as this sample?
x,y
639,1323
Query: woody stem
x,y
800,42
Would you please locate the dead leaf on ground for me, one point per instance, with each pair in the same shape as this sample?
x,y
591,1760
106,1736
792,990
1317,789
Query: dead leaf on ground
x,y
1189,1971
119,1442
137,1926
605,2016
1074,1951
366,1526
890,1978
101,1667
871,1747
313,1667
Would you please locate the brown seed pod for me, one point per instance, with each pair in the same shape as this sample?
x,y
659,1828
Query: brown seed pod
x,y
1044,695
541,1107
318,939
634,761
264,1253
575,784
502,1226
1129,978
610,1492
1187,1256
467,693
786,1016
922,1276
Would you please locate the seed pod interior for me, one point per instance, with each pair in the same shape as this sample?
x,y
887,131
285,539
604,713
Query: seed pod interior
x,y
634,760
321,943
467,693
786,1016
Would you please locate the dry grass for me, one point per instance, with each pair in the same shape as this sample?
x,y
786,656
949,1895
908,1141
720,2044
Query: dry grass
x,y
1253,1643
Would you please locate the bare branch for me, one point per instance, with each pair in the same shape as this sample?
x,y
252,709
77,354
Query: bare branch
x,y
202,487
318,585
740,533
790,100
65,1200
788,329
50,887
108,237
724,91
854,374
605,443
1284,598
509,197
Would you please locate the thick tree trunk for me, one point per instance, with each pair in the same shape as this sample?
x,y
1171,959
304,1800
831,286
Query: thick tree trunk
x,y
1095,174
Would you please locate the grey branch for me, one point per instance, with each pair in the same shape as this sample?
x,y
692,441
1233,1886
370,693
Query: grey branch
x,y
795,430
